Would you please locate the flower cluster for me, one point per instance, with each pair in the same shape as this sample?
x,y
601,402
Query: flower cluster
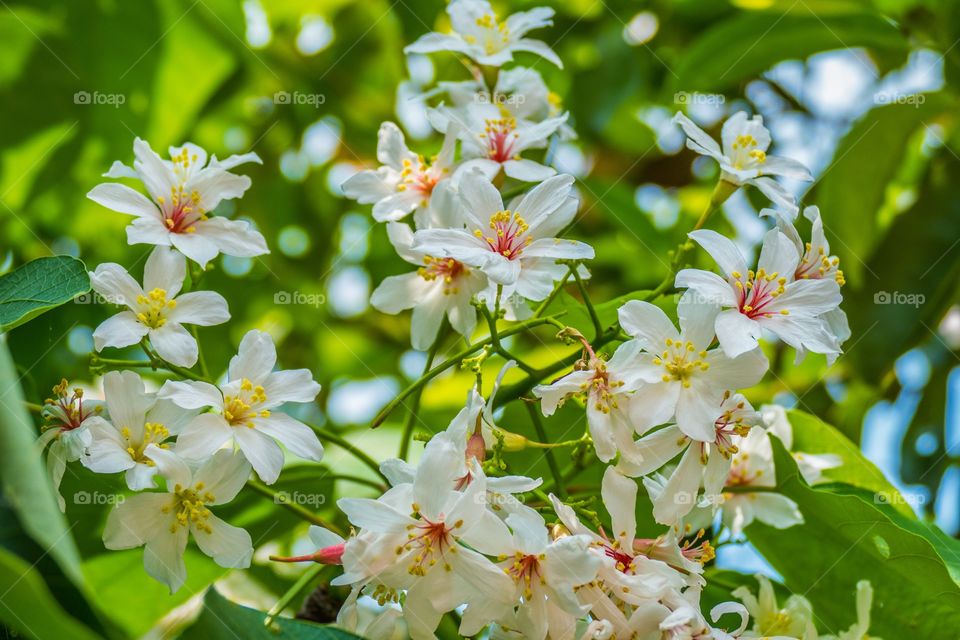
x,y
663,387
191,444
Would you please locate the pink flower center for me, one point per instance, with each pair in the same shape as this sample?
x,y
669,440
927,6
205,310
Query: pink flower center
x,y
421,177
432,541
757,293
447,270
509,235
525,569
817,264
181,211
500,137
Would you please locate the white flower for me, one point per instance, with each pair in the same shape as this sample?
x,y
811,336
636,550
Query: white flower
x,y
861,629
685,378
162,521
440,287
545,574
749,485
508,245
183,192
417,530
405,182
769,298
66,435
794,619
816,263
705,463
479,34
743,158
156,310
137,420
492,138
810,465
244,410
606,387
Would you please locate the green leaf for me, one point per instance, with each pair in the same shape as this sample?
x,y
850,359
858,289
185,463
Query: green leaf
x,y
813,435
225,620
28,607
854,188
845,539
913,274
38,286
743,47
26,485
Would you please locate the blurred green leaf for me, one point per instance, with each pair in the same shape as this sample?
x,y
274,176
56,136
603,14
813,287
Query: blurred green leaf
x,y
225,620
38,286
28,607
750,43
26,485
845,539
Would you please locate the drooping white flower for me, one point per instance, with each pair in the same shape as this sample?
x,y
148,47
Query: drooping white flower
x,y
66,434
860,630
183,192
606,388
743,158
510,247
816,263
245,410
480,35
163,521
492,138
156,310
770,298
684,378
137,420
704,463
545,574
794,619
442,286
417,530
406,181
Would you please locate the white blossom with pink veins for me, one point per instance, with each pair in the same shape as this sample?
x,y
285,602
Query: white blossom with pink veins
x,y
245,411
156,310
769,298
493,139
510,247
426,538
183,192
479,34
405,181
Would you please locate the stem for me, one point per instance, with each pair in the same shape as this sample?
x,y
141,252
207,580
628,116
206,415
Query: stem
x,y
200,358
594,318
306,514
548,453
553,294
149,364
417,396
451,361
344,444
308,576
721,192
495,337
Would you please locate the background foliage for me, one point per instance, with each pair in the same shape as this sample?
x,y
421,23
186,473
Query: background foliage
x,y
79,80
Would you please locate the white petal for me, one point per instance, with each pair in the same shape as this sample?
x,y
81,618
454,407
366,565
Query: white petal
x,y
697,138
120,330
255,358
264,455
527,170
398,293
175,344
171,466
198,248
163,557
653,404
123,199
294,435
538,47
191,395
619,496
722,250
165,269
737,333
558,248
116,285
223,475
709,286
680,493
203,436
660,447
203,308
233,237
647,323
136,520
292,385
229,546
127,402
